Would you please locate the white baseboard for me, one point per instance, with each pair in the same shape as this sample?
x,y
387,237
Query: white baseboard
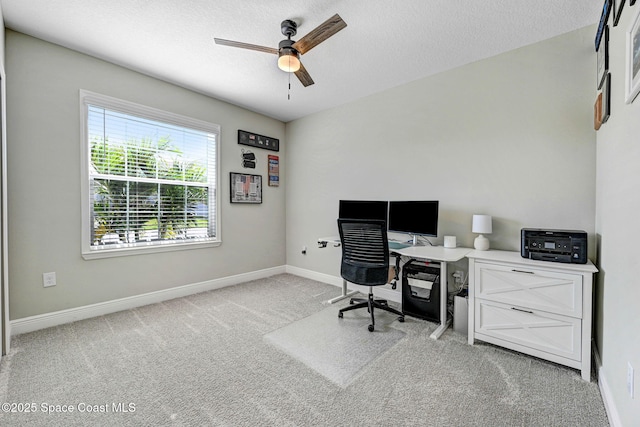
x,y
605,392
384,292
47,320
314,275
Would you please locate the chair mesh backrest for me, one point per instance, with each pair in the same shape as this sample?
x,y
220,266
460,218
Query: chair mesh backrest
x,y
365,251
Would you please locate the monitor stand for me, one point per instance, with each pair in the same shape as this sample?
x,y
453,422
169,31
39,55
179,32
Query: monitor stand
x,y
415,240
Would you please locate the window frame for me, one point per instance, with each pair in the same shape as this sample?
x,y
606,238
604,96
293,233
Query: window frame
x,y
90,98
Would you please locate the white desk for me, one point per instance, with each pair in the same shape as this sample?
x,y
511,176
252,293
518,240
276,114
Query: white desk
x,y
442,255
432,253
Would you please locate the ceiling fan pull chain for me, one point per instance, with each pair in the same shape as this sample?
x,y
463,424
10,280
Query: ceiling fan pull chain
x,y
289,92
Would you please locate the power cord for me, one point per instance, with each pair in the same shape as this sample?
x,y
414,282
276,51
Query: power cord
x,y
427,240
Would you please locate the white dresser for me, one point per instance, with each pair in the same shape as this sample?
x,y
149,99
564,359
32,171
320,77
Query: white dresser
x,y
540,308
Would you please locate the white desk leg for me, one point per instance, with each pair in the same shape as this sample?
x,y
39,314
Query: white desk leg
x,y
444,294
346,293
471,314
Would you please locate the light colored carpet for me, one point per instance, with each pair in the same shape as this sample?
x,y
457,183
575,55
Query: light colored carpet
x,y
337,348
203,360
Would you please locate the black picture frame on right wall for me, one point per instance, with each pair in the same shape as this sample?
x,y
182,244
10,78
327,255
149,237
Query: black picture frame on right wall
x,y
606,98
618,5
632,77
603,58
604,18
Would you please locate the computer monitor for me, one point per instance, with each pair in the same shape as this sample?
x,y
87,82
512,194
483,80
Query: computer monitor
x,y
414,217
363,209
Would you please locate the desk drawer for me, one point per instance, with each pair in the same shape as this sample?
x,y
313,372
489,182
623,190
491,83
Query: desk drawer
x,y
550,291
537,330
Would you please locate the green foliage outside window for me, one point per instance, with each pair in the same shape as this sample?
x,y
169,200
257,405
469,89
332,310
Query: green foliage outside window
x,y
146,190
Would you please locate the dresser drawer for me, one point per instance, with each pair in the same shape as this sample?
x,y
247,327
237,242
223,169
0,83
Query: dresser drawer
x,y
550,291
536,330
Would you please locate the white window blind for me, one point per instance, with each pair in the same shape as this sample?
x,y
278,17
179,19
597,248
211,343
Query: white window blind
x,y
151,175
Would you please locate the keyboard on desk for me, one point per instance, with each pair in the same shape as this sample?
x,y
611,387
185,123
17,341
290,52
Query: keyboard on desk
x,y
397,245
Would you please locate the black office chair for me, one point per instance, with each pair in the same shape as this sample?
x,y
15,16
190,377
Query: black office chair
x,y
365,261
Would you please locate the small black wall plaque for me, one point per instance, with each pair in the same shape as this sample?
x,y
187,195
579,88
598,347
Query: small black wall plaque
x,y
259,141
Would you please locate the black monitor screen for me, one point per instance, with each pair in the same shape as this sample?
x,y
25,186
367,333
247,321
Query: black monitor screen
x,y
363,209
414,217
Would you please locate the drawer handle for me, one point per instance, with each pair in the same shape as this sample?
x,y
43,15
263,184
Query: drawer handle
x,y
519,309
522,271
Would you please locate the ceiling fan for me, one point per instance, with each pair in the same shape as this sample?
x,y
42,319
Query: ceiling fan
x,y
289,51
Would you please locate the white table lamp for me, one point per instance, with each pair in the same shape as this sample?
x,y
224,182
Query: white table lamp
x,y
481,225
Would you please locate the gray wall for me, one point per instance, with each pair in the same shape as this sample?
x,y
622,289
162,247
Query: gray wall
x,y
617,227
44,185
510,136
4,288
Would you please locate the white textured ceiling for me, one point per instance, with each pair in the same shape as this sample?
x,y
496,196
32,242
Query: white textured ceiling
x,y
386,43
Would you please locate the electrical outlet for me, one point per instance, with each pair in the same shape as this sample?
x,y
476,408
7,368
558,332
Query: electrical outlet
x,y
49,279
630,379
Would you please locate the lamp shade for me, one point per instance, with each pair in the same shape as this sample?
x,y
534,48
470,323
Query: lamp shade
x,y
481,224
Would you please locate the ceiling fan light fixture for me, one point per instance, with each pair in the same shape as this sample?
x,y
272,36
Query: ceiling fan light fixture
x,y
288,60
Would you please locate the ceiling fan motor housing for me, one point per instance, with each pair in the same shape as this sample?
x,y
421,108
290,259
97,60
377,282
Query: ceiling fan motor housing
x,y
287,45
289,28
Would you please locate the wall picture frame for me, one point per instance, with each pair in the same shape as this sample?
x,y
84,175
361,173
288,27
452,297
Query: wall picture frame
x,y
245,188
274,171
632,78
259,141
604,18
602,58
606,98
597,112
618,5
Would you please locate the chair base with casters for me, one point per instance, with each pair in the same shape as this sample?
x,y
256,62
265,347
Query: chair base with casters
x,y
370,303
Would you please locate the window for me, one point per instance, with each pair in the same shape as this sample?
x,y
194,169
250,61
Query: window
x,y
149,179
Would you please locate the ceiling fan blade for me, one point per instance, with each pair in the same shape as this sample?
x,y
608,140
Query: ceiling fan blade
x,y
246,46
320,34
304,76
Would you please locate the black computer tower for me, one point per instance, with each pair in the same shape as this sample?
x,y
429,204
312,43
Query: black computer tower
x,y
417,299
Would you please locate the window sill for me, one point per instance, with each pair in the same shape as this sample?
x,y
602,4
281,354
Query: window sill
x,y
111,252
